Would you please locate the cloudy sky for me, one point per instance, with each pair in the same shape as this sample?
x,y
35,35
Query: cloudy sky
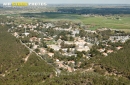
x,y
73,1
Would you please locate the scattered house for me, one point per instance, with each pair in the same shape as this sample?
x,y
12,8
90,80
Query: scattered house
x,y
101,50
109,51
42,50
64,49
74,32
88,57
85,48
15,34
54,47
60,64
2,24
105,54
57,60
69,69
69,54
51,54
34,27
79,64
35,46
90,31
32,39
48,39
35,30
103,29
119,47
89,44
39,39
59,41
80,42
69,42
20,26
89,69
73,62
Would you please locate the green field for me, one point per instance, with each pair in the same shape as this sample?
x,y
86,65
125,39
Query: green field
x,y
92,22
101,21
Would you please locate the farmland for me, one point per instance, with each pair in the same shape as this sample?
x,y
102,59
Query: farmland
x,y
91,21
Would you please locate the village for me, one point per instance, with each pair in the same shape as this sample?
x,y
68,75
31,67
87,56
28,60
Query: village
x,y
66,45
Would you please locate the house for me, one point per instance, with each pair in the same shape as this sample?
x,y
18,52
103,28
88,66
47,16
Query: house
x,y
59,63
20,26
73,62
59,41
64,49
57,60
101,49
26,34
74,32
16,34
80,43
54,47
48,39
69,69
32,39
69,54
105,54
35,46
109,51
119,47
86,48
90,31
42,50
69,42
51,54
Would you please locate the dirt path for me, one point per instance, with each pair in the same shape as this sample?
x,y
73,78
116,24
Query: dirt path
x,y
26,59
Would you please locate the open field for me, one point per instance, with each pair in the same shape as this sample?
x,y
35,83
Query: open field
x,y
101,21
92,22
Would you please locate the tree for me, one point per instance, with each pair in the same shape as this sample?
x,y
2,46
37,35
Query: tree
x,y
68,50
43,43
37,50
82,33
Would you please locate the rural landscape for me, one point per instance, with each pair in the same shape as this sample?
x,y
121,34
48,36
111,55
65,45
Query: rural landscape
x,y
65,44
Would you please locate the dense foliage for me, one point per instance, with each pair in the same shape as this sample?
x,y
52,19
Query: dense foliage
x,y
102,11
119,60
89,78
13,69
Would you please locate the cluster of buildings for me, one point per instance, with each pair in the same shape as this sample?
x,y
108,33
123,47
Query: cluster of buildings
x,y
122,39
79,44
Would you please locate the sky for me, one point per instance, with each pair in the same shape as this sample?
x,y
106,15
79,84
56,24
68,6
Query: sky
x,y
72,1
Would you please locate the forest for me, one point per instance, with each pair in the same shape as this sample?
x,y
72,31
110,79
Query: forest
x,y
90,10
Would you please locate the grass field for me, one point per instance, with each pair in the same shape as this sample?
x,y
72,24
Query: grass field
x,y
101,21
92,22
